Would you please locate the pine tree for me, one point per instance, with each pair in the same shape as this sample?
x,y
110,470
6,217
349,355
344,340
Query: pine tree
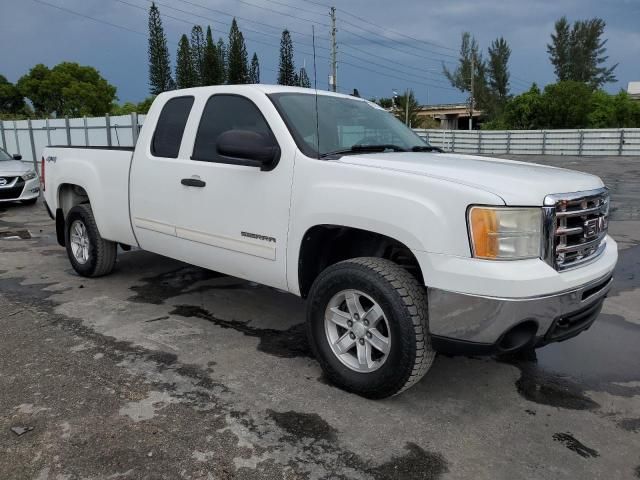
x,y
211,71
579,53
286,70
185,73
498,69
159,66
559,49
237,62
197,54
254,69
303,78
460,78
222,59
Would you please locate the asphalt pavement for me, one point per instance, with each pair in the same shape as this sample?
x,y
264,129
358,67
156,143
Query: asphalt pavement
x,y
167,371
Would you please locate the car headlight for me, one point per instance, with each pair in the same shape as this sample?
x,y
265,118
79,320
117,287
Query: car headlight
x,y
29,175
505,233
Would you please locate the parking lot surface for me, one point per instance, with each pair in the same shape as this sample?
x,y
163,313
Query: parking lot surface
x,y
164,370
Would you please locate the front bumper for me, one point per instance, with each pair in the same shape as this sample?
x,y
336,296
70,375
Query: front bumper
x,y
19,189
471,324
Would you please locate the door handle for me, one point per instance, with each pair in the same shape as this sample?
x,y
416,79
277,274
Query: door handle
x,y
193,182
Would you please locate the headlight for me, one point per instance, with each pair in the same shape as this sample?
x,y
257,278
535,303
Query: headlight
x,y
29,175
504,233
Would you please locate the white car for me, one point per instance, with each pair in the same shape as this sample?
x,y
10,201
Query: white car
x,y
18,180
402,250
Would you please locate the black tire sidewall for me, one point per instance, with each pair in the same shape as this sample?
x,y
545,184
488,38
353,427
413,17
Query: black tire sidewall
x,y
394,373
79,213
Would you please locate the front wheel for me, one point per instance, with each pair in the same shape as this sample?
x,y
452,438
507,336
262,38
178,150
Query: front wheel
x,y
368,327
89,253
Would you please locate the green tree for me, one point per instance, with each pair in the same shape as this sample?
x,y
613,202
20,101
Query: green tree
x,y
159,67
254,69
578,53
614,111
222,59
237,61
286,69
400,111
145,105
523,112
212,71
566,105
11,101
303,78
185,73
498,69
197,54
384,102
470,61
67,89
559,49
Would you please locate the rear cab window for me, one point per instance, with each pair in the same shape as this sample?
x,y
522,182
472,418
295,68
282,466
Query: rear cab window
x,y
172,121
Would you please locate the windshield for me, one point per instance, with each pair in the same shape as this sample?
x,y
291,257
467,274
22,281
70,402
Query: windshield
x,y
4,155
343,123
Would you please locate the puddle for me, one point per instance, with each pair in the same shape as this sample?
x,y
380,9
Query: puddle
x,y
15,235
161,287
574,445
416,464
288,343
303,425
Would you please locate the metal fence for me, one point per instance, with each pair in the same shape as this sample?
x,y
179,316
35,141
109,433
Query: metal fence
x,y
622,141
29,137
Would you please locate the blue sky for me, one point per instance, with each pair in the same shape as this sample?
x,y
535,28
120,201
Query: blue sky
x,y
418,36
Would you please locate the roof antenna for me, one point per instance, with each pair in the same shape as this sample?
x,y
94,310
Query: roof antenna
x,y
315,86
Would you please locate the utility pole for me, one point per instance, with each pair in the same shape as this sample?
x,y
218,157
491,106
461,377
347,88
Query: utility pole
x,y
472,99
406,107
333,76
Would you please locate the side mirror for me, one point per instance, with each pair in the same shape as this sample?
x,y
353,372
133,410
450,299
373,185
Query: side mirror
x,y
250,148
17,156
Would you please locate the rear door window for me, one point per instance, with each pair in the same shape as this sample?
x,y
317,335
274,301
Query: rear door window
x,y
170,127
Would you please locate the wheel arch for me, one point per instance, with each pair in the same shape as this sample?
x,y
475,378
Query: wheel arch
x,y
327,244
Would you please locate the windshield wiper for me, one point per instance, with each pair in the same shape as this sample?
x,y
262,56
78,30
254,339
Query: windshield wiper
x,y
426,148
365,148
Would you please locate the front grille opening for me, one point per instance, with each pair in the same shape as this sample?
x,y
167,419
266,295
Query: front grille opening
x,y
595,289
570,325
580,227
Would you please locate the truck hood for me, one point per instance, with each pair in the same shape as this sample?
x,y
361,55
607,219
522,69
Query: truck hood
x,y
13,167
517,183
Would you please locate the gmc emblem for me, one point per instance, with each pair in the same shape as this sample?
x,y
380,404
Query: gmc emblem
x,y
594,227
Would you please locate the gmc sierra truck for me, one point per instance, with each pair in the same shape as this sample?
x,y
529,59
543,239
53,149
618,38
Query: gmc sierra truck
x,y
401,250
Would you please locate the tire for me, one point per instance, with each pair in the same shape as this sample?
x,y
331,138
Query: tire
x,y
31,201
403,303
100,254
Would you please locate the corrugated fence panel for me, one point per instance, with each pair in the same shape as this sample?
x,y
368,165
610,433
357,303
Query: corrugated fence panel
x,y
16,137
537,142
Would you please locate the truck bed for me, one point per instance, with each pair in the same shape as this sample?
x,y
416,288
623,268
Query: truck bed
x,y
103,172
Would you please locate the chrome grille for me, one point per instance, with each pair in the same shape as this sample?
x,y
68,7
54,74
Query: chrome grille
x,y
575,227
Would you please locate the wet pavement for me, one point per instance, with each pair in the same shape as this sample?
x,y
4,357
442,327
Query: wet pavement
x,y
164,370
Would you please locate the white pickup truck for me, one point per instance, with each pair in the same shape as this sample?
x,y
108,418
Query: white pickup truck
x,y
401,250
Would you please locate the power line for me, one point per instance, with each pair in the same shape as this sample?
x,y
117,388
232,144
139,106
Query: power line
x,y
73,12
164,5
378,27
137,32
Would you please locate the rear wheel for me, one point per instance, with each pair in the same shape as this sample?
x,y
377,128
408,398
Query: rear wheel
x,y
368,327
89,254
